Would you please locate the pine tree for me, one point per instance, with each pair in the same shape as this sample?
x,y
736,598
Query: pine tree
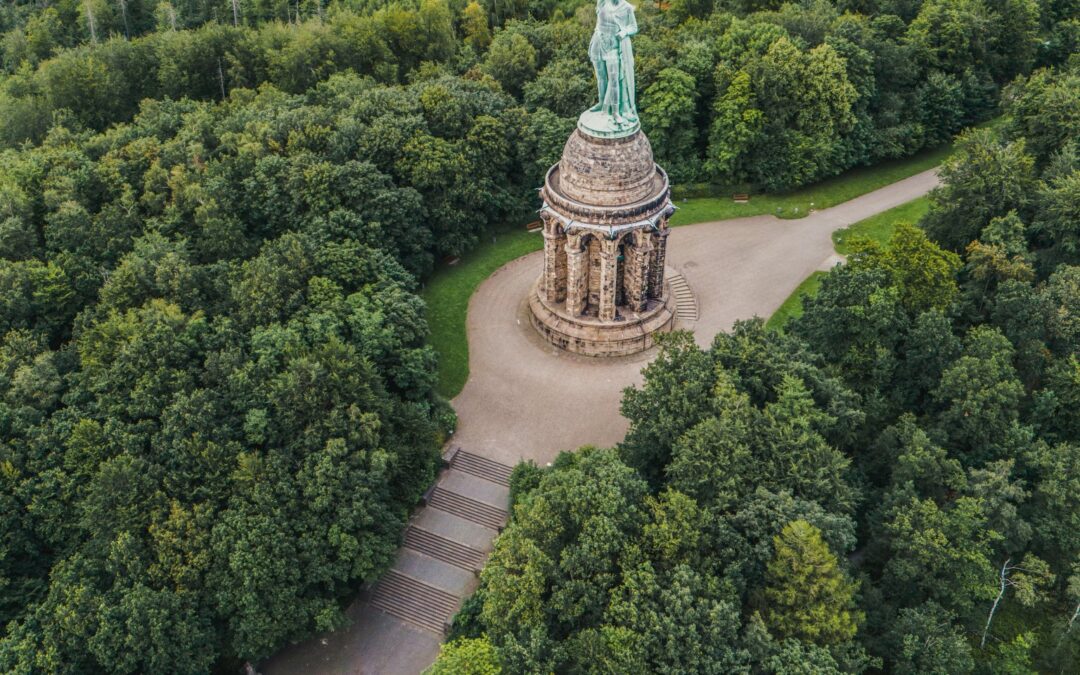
x,y
809,596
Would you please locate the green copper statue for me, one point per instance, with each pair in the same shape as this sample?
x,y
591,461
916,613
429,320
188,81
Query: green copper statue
x,y
612,57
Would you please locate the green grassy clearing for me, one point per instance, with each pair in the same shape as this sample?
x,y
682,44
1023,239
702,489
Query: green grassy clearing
x,y
877,228
819,196
792,307
447,296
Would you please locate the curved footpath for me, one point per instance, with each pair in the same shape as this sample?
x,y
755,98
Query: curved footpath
x,y
527,400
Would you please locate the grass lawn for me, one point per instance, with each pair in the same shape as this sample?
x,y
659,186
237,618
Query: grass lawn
x,y
880,227
792,307
447,296
819,196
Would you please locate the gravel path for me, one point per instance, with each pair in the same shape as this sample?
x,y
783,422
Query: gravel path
x,y
527,400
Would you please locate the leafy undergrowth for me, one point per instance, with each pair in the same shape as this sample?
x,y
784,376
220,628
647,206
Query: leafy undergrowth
x,y
1050,648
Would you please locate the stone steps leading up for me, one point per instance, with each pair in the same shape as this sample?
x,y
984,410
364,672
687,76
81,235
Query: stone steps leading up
x,y
468,508
455,528
475,487
686,307
446,544
414,601
446,550
434,572
482,467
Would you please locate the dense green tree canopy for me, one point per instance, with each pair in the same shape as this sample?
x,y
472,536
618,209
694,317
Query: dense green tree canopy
x,y
807,595
216,400
774,98
888,486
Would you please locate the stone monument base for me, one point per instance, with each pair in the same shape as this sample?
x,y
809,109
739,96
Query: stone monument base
x,y
589,336
603,125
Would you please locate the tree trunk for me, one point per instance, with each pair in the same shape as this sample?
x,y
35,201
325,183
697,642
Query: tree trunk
x,y
123,13
997,601
90,23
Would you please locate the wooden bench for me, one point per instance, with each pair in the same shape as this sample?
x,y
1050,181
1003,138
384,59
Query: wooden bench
x,y
740,198
534,226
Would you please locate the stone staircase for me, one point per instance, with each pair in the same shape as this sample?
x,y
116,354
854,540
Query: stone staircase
x,y
415,601
483,467
444,549
686,308
446,543
468,508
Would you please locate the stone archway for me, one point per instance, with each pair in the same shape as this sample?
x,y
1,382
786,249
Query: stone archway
x,y
637,251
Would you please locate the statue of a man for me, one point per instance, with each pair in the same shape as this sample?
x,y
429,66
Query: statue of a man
x,y
613,59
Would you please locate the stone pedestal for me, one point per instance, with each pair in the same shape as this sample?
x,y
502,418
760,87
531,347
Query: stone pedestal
x,y
605,213
591,336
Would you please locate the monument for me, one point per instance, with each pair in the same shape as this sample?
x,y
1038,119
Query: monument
x,y
605,212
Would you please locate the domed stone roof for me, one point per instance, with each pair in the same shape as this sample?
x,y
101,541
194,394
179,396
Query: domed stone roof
x,y
607,180
606,171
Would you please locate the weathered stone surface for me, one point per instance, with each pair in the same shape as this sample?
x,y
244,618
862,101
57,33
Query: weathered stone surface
x,y
554,265
607,172
606,183
605,233
592,337
656,266
577,283
637,274
608,270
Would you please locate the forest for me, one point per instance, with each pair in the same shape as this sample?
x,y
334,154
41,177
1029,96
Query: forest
x,y
217,402
890,485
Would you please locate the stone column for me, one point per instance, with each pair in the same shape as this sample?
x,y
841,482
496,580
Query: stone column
x,y
656,265
608,269
637,272
554,285
577,262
